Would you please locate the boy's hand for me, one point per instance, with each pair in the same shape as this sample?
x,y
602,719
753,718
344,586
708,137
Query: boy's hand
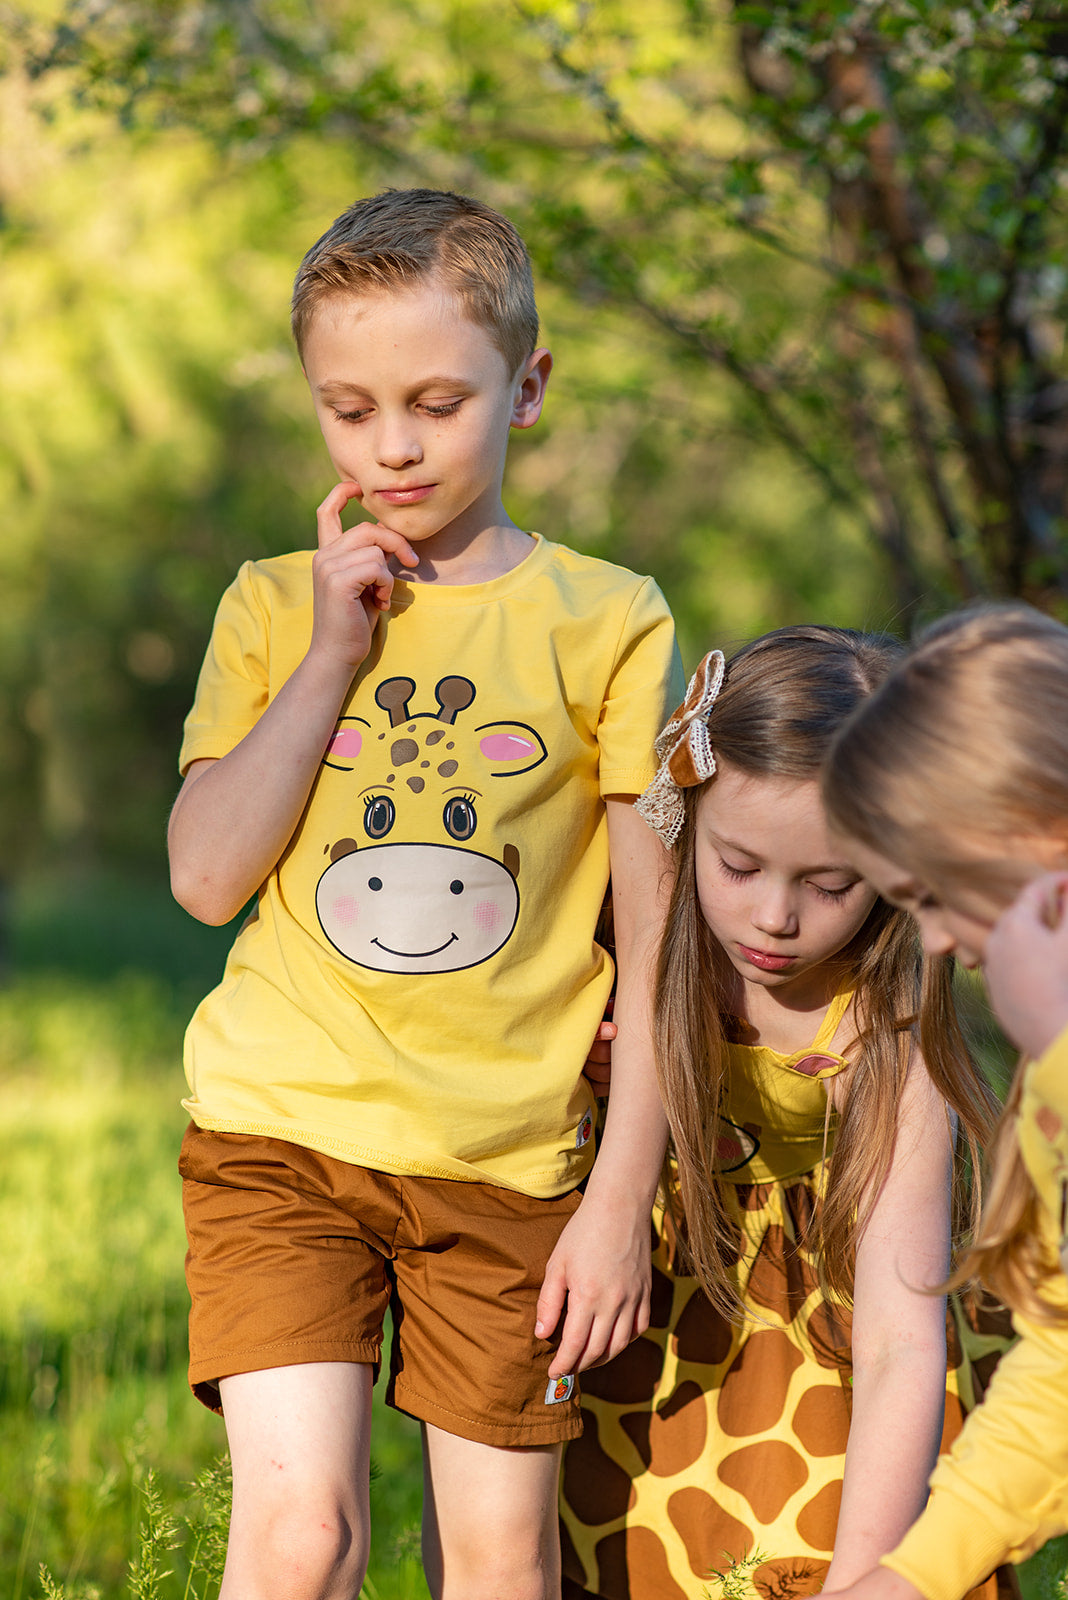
x,y
602,1267
351,578
598,1068
1026,964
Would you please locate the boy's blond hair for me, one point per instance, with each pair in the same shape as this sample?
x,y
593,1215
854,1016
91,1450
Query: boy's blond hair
x,y
403,237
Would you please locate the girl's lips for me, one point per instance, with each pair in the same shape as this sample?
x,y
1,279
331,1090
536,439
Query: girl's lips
x,y
406,497
765,961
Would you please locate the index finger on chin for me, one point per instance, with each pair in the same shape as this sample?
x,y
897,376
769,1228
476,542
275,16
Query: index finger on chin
x,y
328,514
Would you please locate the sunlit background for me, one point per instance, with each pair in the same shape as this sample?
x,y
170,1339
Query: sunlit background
x,y
803,270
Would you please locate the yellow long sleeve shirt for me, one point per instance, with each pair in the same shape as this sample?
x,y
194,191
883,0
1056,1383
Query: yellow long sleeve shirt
x,y
1002,1490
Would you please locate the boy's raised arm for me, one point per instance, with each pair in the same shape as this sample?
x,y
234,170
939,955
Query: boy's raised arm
x,y
602,1261
234,816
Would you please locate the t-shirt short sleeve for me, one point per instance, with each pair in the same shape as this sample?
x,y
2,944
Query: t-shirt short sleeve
x,y
233,687
645,685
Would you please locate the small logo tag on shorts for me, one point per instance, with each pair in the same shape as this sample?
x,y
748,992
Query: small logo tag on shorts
x,y
560,1389
585,1128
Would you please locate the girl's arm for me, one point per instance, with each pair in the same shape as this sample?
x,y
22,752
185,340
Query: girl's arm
x,y
602,1262
234,816
899,1339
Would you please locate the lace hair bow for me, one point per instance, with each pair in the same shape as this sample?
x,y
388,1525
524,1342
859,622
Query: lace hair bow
x,y
685,752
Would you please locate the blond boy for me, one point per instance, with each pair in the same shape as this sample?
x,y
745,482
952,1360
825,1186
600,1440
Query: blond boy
x,y
418,745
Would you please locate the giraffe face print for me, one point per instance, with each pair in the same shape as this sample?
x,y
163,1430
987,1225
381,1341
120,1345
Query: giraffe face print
x,y
412,891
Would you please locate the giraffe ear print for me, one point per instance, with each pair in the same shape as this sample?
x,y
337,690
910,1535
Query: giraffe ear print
x,y
510,748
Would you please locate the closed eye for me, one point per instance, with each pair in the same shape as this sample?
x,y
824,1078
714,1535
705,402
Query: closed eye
x,y
445,410
737,873
833,894
350,416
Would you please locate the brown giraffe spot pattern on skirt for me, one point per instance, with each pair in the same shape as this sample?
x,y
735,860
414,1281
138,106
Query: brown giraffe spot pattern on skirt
x,y
768,1474
647,1515
768,1359
671,1438
630,1379
694,1514
818,1519
821,1420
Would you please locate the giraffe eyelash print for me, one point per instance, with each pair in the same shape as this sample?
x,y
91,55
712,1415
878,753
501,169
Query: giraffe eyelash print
x,y
413,895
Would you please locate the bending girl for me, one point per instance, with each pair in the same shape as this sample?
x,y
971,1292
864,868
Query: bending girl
x,y
952,783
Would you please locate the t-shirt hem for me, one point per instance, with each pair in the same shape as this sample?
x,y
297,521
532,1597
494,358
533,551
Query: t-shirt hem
x,y
543,1184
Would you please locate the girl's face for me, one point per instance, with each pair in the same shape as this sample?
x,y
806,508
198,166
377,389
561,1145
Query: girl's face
x,y
780,897
957,922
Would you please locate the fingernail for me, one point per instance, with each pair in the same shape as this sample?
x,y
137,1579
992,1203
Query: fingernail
x,y
539,1330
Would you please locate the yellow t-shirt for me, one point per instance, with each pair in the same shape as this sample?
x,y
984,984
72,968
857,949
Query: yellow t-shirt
x,y
419,984
1002,1490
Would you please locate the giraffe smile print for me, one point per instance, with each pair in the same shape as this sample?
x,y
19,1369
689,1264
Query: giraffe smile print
x,y
412,895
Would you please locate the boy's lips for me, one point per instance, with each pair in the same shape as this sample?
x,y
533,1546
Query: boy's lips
x,y
409,496
765,960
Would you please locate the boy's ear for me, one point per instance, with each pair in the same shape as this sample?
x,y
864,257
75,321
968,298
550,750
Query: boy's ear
x,y
530,389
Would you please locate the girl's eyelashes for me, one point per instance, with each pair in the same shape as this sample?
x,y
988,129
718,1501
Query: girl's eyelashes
x,y
834,894
739,874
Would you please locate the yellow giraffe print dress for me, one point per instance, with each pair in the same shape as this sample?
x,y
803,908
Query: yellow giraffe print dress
x,y
709,1445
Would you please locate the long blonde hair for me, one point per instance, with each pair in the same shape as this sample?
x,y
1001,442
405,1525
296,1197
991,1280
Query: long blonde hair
x,y
961,753
784,697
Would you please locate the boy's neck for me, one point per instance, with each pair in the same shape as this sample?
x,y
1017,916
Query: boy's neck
x,y
459,556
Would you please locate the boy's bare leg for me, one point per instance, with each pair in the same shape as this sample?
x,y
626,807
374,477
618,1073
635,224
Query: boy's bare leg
x,y
490,1519
299,1443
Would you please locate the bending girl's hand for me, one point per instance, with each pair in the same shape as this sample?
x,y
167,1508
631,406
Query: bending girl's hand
x,y
1026,964
602,1268
879,1584
598,1068
351,577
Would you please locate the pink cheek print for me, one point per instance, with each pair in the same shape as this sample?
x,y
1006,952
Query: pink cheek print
x,y
346,743
346,911
487,916
505,747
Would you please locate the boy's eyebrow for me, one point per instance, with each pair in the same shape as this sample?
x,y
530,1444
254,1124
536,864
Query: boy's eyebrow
x,y
340,386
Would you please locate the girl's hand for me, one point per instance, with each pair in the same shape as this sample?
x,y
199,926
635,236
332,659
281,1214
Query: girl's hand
x,y
879,1584
598,1068
1026,964
351,578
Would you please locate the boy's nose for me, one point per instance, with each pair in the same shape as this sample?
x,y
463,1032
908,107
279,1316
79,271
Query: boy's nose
x,y
396,445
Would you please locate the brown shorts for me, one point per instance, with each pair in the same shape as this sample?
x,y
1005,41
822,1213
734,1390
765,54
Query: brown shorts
x,y
294,1257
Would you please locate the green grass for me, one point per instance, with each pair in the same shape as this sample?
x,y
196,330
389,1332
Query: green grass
x,y
110,1473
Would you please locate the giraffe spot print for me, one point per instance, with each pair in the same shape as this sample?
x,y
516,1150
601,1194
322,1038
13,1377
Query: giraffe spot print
x,y
402,751
670,1438
781,1279
768,1360
598,1487
767,1474
791,1578
821,1420
447,768
417,785
631,1378
818,1520
1049,1122
829,1332
661,1299
707,1531
432,738
633,1562
701,1333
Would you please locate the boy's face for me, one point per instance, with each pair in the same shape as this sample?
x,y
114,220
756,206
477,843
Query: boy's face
x,y
415,403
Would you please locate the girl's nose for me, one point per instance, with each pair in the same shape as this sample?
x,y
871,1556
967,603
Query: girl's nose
x,y
775,914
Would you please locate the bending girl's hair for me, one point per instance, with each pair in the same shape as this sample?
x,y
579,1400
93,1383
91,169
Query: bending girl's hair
x,y
961,752
783,698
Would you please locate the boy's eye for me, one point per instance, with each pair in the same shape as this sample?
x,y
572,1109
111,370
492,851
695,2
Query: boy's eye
x,y
349,416
445,409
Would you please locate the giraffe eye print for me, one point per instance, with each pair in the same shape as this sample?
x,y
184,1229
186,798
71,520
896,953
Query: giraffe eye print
x,y
460,817
379,815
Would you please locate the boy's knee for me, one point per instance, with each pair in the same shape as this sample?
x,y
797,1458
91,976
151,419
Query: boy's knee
x,y
300,1551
